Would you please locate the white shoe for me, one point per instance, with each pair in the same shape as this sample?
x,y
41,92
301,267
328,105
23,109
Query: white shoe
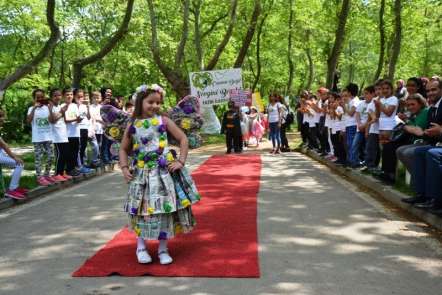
x,y
143,257
165,257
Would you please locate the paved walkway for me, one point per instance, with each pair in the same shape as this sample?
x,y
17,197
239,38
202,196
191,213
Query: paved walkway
x,y
318,235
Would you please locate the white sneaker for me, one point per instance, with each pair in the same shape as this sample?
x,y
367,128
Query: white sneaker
x,y
143,257
165,257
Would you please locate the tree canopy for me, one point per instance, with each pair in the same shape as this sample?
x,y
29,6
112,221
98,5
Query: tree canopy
x,y
280,44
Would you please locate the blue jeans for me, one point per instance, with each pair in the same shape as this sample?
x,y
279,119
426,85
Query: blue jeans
x,y
95,149
350,133
358,141
105,152
427,172
275,134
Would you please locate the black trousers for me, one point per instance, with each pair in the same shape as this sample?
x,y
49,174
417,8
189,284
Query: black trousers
x,y
283,133
338,146
62,154
304,132
313,138
323,135
83,144
233,141
74,147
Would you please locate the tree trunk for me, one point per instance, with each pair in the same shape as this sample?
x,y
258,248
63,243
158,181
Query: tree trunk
x,y
249,35
258,46
62,81
332,60
179,83
32,64
289,49
311,69
351,68
110,44
396,48
184,33
220,48
197,34
381,41
51,63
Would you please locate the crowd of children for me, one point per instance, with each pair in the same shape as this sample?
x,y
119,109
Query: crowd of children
x,y
64,122
373,132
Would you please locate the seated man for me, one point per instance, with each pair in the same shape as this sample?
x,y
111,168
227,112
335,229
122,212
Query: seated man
x,y
427,160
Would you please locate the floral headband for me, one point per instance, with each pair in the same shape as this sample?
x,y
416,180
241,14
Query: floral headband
x,y
155,87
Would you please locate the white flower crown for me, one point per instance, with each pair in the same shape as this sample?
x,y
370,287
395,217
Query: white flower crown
x,y
155,87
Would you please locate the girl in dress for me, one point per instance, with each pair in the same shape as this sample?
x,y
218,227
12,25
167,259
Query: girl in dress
x,y
161,191
257,129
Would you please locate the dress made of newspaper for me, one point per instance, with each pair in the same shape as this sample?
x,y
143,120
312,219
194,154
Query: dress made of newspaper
x,y
158,202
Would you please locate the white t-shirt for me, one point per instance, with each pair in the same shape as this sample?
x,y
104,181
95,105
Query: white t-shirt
x,y
351,120
374,127
388,122
273,111
362,110
85,123
59,132
95,115
41,129
72,112
318,115
339,124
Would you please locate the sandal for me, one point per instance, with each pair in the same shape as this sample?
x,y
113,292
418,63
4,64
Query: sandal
x,y
143,257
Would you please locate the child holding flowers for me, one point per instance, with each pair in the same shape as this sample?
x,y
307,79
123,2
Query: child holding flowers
x,y
160,189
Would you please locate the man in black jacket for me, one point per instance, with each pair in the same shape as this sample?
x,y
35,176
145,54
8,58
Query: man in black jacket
x,y
427,172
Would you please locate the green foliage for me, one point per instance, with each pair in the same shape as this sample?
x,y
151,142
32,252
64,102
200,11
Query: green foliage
x,y
209,139
26,181
86,25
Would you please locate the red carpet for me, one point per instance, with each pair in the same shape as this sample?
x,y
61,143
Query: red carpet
x,y
224,242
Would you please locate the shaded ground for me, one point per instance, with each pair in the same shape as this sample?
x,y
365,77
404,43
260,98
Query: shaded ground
x,y
318,235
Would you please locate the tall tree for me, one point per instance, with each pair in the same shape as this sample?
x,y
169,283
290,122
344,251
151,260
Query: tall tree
x,y
333,57
311,65
249,35
176,77
79,64
396,48
27,68
173,75
258,46
290,49
198,35
222,45
381,27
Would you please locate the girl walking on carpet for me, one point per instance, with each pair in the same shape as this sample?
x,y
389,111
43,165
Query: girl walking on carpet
x,y
161,191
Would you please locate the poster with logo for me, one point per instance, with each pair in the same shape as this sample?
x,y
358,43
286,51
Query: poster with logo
x,y
213,87
241,97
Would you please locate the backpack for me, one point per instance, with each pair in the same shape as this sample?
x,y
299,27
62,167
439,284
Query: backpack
x,y
290,118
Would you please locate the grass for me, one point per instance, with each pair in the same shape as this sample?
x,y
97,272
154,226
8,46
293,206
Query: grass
x,y
400,183
209,139
26,181
29,159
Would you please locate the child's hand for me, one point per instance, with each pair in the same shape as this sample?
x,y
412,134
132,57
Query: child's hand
x,y
127,174
63,109
79,119
174,166
18,160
